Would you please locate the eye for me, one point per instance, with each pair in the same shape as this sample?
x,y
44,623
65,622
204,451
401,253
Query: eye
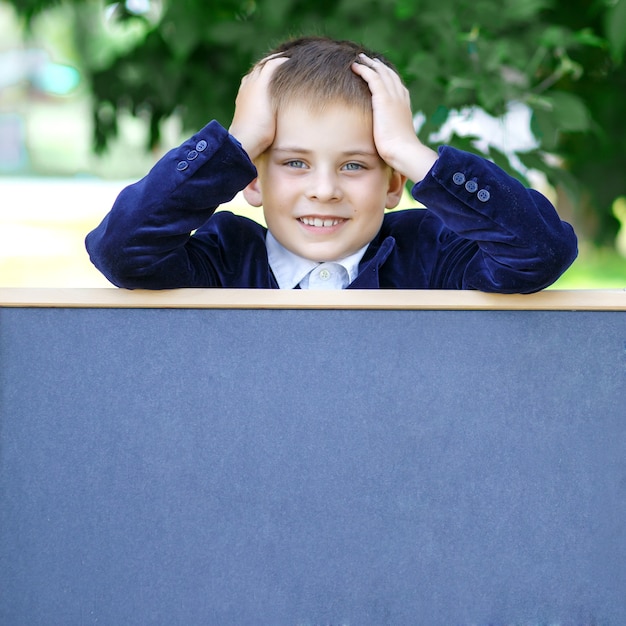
x,y
353,167
295,163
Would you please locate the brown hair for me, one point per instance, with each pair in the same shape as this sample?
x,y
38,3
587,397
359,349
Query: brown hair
x,y
318,73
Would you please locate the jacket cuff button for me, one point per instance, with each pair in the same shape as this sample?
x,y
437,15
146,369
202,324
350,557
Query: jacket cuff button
x,y
182,166
458,178
471,186
483,195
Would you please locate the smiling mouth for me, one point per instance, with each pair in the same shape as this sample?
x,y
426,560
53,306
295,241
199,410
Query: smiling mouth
x,y
319,222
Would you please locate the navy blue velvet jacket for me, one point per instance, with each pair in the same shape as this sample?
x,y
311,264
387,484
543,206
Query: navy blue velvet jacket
x,y
482,229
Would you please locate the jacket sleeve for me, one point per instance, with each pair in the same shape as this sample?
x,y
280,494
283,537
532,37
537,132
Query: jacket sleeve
x,y
496,234
145,240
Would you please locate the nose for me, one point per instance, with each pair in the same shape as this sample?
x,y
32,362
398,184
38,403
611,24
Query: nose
x,y
324,185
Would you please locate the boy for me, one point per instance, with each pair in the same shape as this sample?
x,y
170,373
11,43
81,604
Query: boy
x,y
322,138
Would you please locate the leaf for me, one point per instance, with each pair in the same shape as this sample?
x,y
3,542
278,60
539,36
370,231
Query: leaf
x,y
560,177
181,30
587,37
467,143
557,175
569,112
555,36
524,10
503,161
615,26
440,115
533,160
543,128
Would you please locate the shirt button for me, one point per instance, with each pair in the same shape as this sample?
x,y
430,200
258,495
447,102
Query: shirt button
x,y
191,155
483,195
324,274
458,178
471,186
201,146
182,166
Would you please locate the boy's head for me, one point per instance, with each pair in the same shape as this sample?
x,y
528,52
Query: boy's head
x,y
319,74
322,184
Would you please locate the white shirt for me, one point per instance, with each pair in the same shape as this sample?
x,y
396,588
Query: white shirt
x,y
291,270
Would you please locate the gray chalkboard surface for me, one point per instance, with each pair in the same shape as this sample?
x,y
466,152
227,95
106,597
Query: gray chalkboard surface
x,y
301,467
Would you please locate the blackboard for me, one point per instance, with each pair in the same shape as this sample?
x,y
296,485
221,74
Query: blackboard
x,y
312,467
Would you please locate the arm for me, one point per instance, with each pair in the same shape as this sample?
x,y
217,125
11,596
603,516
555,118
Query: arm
x,y
144,241
515,241
501,237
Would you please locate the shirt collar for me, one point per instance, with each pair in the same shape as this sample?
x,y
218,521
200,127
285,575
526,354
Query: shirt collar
x,y
290,269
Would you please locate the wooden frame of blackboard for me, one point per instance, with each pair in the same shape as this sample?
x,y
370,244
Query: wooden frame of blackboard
x,y
572,300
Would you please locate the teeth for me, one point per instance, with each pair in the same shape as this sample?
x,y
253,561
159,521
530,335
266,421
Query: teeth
x,y
319,222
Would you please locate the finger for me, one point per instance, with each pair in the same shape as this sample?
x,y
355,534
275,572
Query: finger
x,y
372,62
363,58
272,61
364,68
266,65
379,68
275,59
381,83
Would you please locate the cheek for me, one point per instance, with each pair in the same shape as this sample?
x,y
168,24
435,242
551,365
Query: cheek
x,y
371,199
278,186
277,214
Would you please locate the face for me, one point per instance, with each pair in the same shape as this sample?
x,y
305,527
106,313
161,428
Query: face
x,y
322,185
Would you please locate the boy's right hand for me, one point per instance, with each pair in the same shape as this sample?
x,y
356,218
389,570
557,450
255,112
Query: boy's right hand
x,y
254,122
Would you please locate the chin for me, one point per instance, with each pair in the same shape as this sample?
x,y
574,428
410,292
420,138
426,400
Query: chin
x,y
320,257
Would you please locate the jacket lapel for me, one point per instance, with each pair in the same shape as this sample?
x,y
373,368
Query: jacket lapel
x,y
375,255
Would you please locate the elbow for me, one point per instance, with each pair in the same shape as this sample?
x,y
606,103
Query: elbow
x,y
110,260
549,262
522,273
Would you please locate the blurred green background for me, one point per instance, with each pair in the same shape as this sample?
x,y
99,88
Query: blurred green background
x,y
91,94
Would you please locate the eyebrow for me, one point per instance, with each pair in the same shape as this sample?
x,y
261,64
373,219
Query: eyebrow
x,y
345,153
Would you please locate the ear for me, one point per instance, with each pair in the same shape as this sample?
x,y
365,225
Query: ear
x,y
252,193
395,190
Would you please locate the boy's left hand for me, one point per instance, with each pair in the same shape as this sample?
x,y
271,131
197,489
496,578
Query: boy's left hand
x,y
394,134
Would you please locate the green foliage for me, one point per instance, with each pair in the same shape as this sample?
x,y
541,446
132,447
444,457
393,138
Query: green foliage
x,y
615,23
560,57
596,158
